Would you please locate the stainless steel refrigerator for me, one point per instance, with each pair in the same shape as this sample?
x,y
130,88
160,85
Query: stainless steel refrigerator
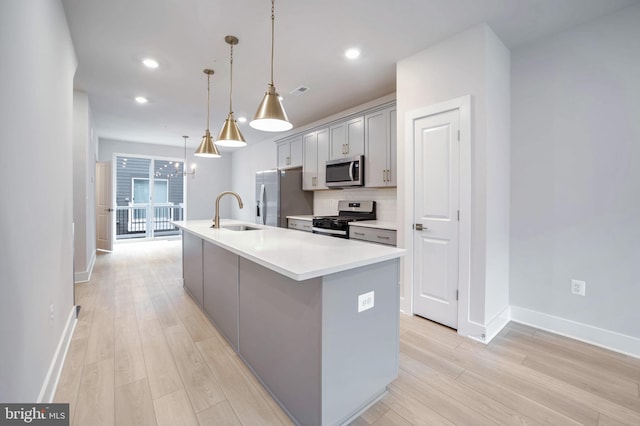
x,y
279,194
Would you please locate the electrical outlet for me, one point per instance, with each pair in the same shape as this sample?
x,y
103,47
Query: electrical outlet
x,y
365,301
578,287
51,312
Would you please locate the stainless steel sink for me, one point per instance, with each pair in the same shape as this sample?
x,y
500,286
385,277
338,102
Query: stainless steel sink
x,y
239,228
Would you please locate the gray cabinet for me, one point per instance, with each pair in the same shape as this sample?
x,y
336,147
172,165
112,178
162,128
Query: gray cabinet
x,y
380,150
300,225
346,138
290,152
374,235
192,265
315,156
221,290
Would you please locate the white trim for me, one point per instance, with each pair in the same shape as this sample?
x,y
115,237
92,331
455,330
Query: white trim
x,y
607,339
84,276
48,389
497,323
463,105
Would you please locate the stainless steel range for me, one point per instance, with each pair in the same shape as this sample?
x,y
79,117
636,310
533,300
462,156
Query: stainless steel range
x,y
348,211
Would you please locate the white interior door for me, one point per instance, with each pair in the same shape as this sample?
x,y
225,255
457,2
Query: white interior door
x,y
104,207
436,217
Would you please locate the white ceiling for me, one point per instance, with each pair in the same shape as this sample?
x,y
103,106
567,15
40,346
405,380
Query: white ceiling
x,y
185,36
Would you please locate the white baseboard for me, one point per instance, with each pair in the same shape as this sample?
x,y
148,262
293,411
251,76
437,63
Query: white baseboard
x,y
497,323
84,276
48,389
607,339
484,333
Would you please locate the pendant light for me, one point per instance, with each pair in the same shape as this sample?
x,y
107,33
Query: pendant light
x,y
270,115
230,133
207,148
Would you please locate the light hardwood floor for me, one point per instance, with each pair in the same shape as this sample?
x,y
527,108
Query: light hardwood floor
x,y
144,354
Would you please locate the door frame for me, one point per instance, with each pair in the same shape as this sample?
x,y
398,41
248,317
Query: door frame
x,y
114,177
463,105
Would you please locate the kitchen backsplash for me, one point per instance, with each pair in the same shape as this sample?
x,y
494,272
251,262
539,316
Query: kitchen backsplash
x,y
325,203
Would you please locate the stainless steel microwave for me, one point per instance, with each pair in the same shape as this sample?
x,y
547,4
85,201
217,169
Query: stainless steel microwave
x,y
345,172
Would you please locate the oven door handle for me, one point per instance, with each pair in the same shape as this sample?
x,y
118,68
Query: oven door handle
x,y
351,166
328,231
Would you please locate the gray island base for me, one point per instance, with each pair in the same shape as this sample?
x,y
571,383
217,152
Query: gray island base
x,y
306,341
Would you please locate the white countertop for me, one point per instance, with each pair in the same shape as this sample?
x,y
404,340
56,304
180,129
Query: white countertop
x,y
308,217
297,255
380,224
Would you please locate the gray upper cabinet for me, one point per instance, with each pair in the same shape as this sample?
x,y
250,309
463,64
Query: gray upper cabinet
x,y
347,138
380,151
290,152
316,154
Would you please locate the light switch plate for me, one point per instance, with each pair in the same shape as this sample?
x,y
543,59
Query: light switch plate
x,y
365,301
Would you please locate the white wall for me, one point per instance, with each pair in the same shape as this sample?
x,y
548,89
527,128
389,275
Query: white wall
x,y
36,142
84,212
498,159
213,175
469,63
575,175
244,165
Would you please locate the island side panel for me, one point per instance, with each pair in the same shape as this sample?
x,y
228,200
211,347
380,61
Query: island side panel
x,y
360,349
221,290
280,337
192,265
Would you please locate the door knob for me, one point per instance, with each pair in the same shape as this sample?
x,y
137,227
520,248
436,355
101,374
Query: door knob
x,y
419,227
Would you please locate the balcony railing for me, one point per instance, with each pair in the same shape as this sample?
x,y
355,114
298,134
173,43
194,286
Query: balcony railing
x,y
133,221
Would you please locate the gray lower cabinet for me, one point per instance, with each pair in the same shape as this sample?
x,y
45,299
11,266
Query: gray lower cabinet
x,y
375,235
221,290
300,225
192,265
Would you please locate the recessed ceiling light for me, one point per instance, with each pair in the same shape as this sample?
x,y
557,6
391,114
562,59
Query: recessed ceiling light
x,y
242,119
141,100
150,63
352,53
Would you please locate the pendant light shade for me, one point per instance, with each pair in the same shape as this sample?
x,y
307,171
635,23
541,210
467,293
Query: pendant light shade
x,y
230,134
270,116
207,147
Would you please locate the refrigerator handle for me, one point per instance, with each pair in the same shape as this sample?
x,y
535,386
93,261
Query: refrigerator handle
x,y
262,203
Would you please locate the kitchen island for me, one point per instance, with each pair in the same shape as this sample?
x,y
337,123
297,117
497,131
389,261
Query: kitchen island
x,y
316,318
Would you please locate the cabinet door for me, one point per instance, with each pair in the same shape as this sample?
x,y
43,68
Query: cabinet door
x,y
375,160
295,152
337,141
310,162
322,141
192,265
220,299
392,166
284,154
380,151
355,137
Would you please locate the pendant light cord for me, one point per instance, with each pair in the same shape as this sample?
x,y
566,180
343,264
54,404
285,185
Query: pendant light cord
x,y
231,81
273,18
208,97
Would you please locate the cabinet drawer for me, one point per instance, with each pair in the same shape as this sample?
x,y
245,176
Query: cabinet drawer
x,y
300,225
382,236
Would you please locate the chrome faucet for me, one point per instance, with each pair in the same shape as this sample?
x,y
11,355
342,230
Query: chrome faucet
x,y
216,220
